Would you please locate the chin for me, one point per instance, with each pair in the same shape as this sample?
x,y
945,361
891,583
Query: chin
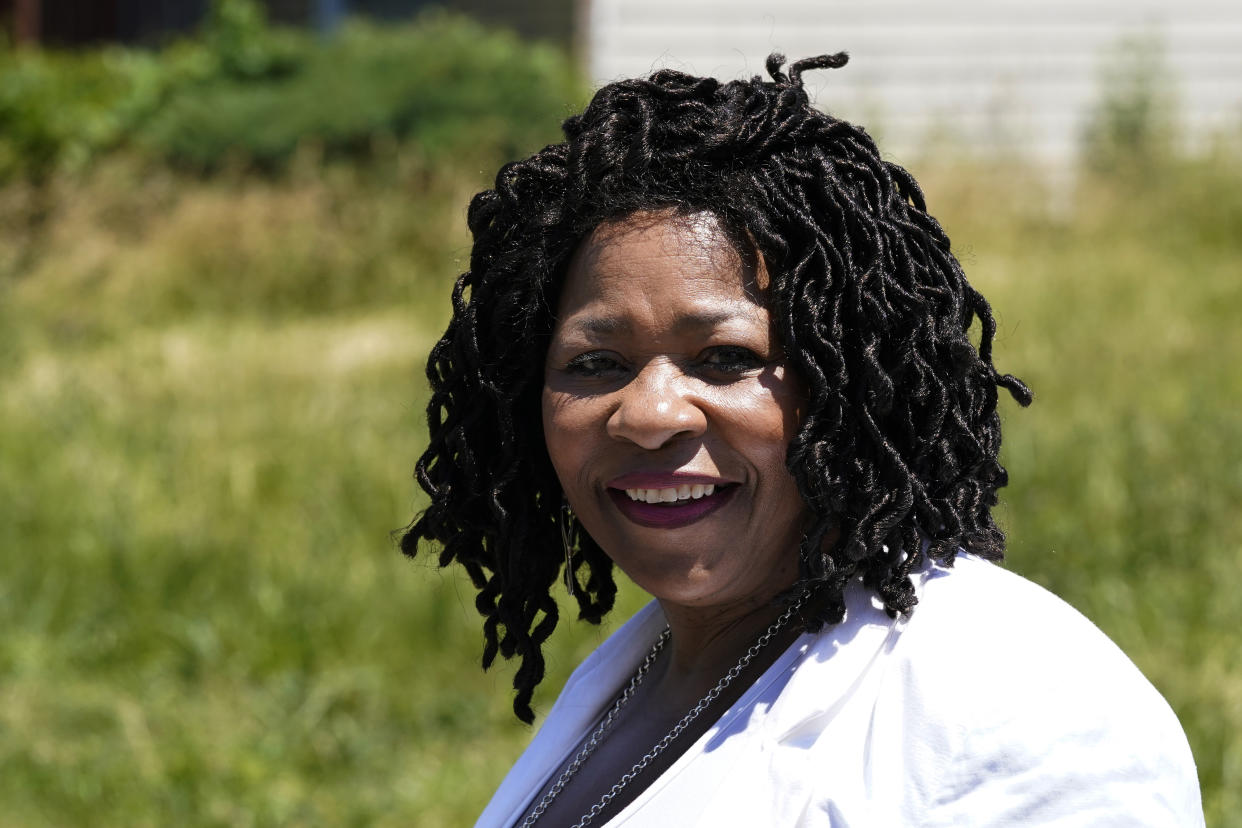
x,y
694,585
674,577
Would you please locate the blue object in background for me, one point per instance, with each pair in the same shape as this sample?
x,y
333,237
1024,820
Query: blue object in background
x,y
328,14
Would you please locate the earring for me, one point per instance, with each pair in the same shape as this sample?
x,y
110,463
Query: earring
x,y
563,521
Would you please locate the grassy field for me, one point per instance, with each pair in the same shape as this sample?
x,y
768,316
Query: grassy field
x,y
210,404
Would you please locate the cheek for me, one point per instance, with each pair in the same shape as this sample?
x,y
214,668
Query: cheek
x,y
563,435
553,429
765,417
771,419
788,402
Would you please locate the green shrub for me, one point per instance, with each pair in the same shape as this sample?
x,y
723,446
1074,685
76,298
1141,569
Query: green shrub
x,y
443,82
1131,125
243,47
241,91
60,110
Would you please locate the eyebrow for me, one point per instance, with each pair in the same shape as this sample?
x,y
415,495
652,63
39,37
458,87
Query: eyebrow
x,y
687,323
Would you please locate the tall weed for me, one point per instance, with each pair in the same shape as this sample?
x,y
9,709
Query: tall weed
x,y
164,246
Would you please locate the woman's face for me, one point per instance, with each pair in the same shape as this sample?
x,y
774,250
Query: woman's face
x,y
668,409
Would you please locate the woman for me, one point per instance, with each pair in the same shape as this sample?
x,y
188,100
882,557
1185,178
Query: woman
x,y
713,339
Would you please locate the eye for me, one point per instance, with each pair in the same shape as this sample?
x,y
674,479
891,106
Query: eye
x,y
731,359
593,364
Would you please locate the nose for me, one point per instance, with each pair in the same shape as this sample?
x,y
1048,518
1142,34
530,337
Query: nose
x,y
657,406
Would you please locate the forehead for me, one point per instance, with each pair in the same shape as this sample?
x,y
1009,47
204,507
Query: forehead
x,y
662,263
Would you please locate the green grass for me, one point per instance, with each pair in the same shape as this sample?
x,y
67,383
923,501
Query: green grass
x,y
1127,471
210,404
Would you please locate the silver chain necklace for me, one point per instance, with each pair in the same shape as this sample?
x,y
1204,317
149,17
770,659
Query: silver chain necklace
x,y
597,736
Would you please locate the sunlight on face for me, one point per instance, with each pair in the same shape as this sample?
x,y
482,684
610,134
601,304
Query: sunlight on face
x,y
668,410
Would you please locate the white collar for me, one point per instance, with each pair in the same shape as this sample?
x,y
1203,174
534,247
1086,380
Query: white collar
x,y
825,668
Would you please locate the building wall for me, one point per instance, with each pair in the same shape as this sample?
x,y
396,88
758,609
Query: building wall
x,y
993,75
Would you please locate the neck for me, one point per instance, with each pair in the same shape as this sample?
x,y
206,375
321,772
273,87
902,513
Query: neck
x,y
703,639
705,644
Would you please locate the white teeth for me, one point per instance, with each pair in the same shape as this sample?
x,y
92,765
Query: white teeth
x,y
685,491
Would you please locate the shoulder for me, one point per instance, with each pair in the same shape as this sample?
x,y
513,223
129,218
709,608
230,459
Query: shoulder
x,y
1040,716
981,624
976,608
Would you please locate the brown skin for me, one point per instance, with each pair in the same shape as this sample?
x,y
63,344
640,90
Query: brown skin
x,y
664,359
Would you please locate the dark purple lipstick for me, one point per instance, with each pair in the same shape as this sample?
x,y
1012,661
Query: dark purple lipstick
x,y
671,514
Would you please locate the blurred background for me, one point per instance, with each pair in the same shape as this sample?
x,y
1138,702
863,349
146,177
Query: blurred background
x,y
228,231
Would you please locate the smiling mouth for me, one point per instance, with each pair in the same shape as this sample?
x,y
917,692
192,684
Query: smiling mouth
x,y
671,507
674,495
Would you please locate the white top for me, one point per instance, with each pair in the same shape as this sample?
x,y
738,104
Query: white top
x,y
994,703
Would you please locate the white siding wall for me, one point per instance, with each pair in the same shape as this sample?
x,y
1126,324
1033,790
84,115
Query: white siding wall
x,y
999,74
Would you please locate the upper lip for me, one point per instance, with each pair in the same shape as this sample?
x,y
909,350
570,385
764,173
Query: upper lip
x,y
665,480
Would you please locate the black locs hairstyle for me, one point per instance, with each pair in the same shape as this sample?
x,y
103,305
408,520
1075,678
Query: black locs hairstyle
x,y
901,435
